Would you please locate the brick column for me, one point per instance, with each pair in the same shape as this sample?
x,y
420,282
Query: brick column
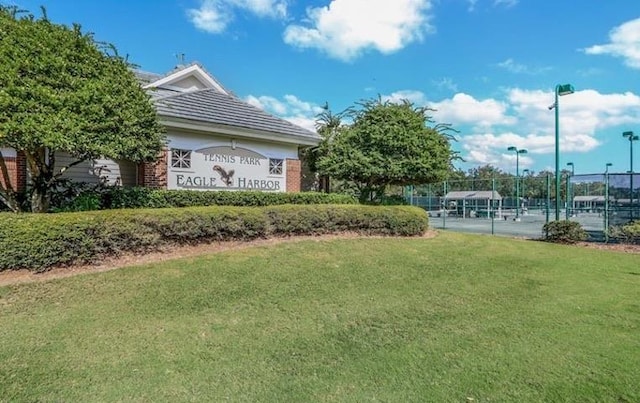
x,y
154,174
21,172
293,175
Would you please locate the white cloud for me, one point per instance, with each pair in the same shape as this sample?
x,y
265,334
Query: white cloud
x,y
290,108
446,83
518,68
214,16
506,3
345,29
263,8
211,17
522,119
416,97
582,116
466,110
625,43
472,5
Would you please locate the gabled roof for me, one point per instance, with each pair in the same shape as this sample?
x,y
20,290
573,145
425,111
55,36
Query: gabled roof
x,y
213,107
209,103
180,72
145,77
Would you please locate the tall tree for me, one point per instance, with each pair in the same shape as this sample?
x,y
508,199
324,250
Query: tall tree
x,y
328,124
60,90
387,144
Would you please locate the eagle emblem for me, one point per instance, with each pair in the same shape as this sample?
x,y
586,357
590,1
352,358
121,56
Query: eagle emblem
x,y
226,176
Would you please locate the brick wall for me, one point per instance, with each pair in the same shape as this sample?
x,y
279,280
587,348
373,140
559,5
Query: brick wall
x,y
154,174
17,167
10,162
293,175
21,174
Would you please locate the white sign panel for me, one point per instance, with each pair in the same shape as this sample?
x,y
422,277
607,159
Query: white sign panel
x,y
225,168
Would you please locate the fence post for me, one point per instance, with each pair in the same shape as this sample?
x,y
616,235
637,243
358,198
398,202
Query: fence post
x,y
606,207
631,193
493,213
567,196
548,197
411,195
444,207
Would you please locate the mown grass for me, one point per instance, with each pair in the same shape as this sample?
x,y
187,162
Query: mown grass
x,y
445,319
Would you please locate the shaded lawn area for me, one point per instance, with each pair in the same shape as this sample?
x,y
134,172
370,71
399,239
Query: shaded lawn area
x,y
446,319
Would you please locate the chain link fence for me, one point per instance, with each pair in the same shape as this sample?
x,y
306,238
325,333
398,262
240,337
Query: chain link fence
x,y
521,207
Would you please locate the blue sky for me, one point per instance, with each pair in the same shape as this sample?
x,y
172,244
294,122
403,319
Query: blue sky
x,y
487,66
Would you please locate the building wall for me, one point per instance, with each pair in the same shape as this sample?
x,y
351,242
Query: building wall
x,y
112,172
154,174
16,164
220,162
247,165
294,178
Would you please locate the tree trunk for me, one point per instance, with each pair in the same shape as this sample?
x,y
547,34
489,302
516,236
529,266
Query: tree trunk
x,y
11,201
41,163
40,199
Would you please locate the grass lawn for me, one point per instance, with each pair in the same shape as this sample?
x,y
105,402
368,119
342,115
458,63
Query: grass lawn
x,y
446,319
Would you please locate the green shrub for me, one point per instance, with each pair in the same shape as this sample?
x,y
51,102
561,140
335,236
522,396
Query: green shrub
x,y
393,200
567,232
40,241
627,233
291,220
153,198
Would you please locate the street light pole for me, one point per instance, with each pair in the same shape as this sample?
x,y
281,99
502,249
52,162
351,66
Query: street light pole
x,y
570,164
518,152
560,90
569,196
629,135
524,181
606,201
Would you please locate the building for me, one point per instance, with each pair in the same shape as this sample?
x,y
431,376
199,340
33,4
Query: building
x,y
475,203
215,141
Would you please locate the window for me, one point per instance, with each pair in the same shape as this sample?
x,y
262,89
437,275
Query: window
x,y
180,158
275,166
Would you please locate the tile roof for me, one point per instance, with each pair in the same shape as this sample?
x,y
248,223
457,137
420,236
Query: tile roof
x,y
211,106
145,77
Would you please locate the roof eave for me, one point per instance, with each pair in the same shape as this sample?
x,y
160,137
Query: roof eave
x,y
243,132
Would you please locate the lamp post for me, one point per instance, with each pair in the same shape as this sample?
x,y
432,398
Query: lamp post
x,y
569,197
518,152
631,137
560,90
570,164
606,201
525,172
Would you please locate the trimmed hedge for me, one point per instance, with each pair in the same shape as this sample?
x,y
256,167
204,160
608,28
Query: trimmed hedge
x,y
105,198
41,241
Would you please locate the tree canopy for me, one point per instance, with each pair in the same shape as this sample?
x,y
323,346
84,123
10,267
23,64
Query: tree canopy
x,y
386,144
61,90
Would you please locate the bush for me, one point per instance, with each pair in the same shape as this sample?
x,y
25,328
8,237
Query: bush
x,y
137,197
291,220
627,233
567,232
40,241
